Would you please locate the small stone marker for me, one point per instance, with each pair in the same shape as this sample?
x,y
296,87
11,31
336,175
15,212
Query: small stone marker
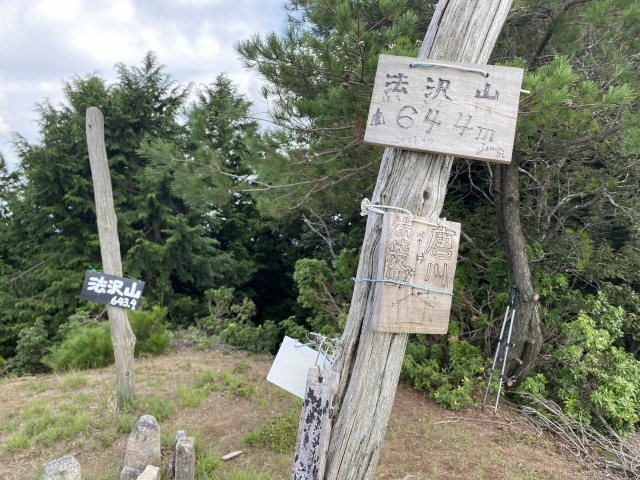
x,y
179,435
445,107
420,264
185,459
65,468
143,448
315,425
231,455
150,473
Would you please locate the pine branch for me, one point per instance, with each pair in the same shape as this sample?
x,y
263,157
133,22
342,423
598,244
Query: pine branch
x,y
550,30
26,272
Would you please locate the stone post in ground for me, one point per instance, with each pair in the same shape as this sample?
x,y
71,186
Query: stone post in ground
x,y
185,459
65,468
143,448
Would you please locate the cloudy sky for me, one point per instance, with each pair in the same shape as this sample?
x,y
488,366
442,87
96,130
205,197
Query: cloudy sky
x,y
44,42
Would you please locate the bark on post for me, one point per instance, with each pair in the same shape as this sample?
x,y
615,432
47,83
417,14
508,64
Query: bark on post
x,y
122,336
315,425
369,362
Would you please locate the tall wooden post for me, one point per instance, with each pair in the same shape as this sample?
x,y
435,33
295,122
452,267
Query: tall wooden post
x,y
122,336
369,362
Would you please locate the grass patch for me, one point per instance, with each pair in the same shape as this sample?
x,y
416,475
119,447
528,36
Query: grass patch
x,y
36,387
126,422
207,462
18,443
160,407
107,438
36,409
277,433
73,380
9,423
38,424
234,384
245,474
191,395
205,378
241,367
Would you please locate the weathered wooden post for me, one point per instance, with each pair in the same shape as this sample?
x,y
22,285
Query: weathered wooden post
x,y
369,361
315,425
122,336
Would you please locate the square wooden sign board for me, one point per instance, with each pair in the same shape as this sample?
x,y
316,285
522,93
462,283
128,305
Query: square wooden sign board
x,y
445,108
420,264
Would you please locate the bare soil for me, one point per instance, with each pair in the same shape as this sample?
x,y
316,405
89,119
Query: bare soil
x,y
423,441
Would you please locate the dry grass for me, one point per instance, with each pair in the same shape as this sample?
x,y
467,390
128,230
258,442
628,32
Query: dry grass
x,y
222,398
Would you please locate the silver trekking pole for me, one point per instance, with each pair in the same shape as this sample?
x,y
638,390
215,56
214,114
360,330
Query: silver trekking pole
x,y
506,349
511,305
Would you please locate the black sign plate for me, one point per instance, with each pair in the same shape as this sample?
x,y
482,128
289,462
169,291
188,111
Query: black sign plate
x,y
111,290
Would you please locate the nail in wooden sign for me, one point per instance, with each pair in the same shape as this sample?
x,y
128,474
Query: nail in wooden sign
x,y
442,107
415,282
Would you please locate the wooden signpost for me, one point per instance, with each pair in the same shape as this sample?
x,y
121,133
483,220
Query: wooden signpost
x,y
122,336
461,109
414,295
315,425
369,361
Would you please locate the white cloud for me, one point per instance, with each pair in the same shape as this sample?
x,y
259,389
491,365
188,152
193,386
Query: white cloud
x,y
58,12
5,128
45,42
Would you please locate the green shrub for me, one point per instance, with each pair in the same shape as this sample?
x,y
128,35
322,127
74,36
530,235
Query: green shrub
x,y
230,321
326,290
150,330
89,345
33,343
260,338
587,371
449,368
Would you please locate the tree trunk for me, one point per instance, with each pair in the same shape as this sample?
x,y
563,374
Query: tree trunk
x,y
526,339
369,362
122,336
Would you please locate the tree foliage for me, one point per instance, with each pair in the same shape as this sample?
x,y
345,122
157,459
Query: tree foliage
x,y
248,233
49,222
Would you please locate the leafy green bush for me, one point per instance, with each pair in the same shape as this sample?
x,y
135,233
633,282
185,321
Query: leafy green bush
x,y
230,322
326,291
32,344
587,372
89,345
449,368
150,330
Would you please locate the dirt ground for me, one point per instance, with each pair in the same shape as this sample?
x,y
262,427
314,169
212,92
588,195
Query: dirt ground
x,y
423,441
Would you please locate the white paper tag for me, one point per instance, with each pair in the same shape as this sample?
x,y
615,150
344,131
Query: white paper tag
x,y
291,366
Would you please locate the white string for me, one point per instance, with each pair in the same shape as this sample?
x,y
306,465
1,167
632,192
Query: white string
x,y
457,67
366,206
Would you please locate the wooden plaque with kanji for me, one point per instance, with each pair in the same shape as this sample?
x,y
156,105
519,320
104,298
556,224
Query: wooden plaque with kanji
x,y
420,264
445,107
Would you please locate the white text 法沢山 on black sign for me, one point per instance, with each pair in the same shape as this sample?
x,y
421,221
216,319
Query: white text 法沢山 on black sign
x,y
111,290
